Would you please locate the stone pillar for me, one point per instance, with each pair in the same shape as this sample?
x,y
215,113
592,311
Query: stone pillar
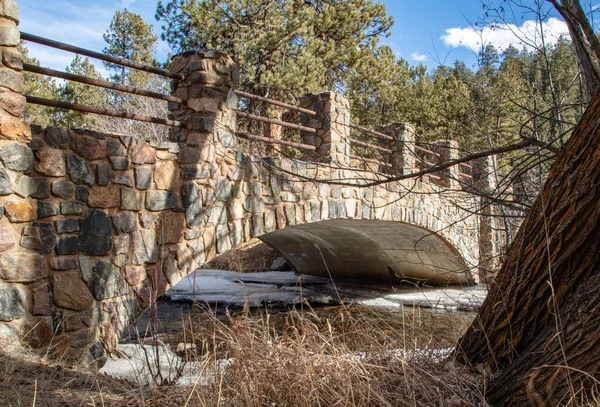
x,y
12,101
484,179
403,156
448,151
332,124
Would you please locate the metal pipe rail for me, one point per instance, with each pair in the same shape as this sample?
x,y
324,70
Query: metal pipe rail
x,y
100,83
362,143
104,112
274,102
97,55
369,160
369,131
275,121
424,150
248,136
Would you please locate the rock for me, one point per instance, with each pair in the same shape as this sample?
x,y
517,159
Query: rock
x,y
35,144
119,163
189,155
145,247
71,208
107,282
147,219
103,172
5,188
123,179
195,172
81,193
143,178
173,226
161,200
104,197
71,292
47,237
223,190
134,274
46,209
114,147
41,300
166,176
125,222
192,202
86,265
11,304
93,316
88,147
142,153
67,245
17,157
42,188
72,322
18,267
95,234
39,332
66,225
131,199
280,264
57,137
99,354
50,162
30,238
21,211
7,239
24,185
79,170
64,263
63,188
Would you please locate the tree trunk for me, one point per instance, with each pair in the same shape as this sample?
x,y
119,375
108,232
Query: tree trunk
x,y
538,327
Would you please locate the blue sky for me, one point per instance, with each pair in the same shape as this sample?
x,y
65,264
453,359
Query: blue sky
x,y
429,32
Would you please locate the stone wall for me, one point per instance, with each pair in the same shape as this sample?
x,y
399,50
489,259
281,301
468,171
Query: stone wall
x,y
94,227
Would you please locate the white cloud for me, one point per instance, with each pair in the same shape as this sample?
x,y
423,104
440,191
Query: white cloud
x,y
127,3
418,57
528,35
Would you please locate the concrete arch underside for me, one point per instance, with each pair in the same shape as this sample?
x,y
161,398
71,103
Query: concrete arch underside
x,y
370,249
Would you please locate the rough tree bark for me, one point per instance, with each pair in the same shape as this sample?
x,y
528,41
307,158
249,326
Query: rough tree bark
x,y
539,328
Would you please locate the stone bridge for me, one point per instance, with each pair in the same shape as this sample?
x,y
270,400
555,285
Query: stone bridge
x,y
94,227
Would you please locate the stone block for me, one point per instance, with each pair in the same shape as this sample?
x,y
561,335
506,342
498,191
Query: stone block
x,y
5,185
81,193
30,238
47,237
7,239
104,197
123,179
142,153
50,162
79,171
192,202
46,209
145,247
195,172
63,188
24,185
167,176
119,163
64,263
11,304
17,267
42,188
13,59
161,200
173,226
17,156
57,137
115,148
143,177
71,208
95,234
67,245
125,222
41,300
13,128
21,211
134,274
71,292
88,147
66,225
107,282
11,79
131,199
103,172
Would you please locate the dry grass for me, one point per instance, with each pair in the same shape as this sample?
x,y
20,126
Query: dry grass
x,y
343,359
253,256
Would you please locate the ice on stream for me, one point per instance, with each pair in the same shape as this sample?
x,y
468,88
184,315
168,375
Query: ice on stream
x,y
229,288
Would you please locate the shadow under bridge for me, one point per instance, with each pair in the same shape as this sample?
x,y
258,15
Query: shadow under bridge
x,y
370,249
